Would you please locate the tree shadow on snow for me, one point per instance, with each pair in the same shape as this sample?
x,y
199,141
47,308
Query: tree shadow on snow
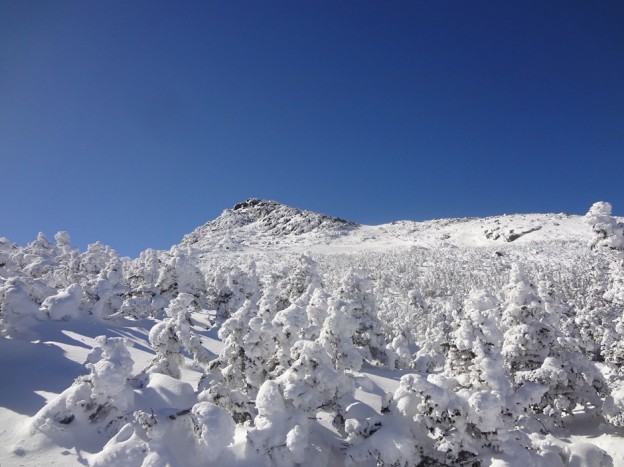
x,y
33,366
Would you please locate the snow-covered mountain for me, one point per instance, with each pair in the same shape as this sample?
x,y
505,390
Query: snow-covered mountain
x,y
261,225
278,336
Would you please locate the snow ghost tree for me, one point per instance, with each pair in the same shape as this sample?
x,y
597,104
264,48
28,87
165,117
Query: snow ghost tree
x,y
174,334
285,405
230,285
20,300
337,336
98,402
549,372
607,231
474,356
234,377
356,292
180,275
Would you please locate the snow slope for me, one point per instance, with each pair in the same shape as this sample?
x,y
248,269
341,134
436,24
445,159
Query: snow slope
x,y
398,299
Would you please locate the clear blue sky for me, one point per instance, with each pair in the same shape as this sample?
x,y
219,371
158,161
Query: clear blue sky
x,y
134,122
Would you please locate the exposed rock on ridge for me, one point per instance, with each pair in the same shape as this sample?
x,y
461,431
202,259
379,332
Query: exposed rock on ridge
x,y
262,217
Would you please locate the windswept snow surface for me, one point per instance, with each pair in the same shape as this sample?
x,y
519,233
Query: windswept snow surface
x,y
277,336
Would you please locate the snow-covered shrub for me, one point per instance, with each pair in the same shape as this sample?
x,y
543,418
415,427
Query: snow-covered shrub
x,y
98,402
20,300
65,305
279,433
191,437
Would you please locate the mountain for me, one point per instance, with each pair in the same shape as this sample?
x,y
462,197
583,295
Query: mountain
x,y
261,225
257,221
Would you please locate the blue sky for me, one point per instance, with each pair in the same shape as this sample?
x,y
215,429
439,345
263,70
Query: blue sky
x,y
134,122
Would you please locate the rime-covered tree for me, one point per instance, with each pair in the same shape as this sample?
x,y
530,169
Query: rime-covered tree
x,y
355,292
549,372
607,231
229,285
173,335
287,404
337,336
248,356
100,401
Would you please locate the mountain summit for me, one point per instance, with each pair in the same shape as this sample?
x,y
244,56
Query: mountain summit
x,y
257,218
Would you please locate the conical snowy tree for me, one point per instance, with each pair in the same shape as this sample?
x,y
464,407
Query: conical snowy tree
x,y
337,336
356,292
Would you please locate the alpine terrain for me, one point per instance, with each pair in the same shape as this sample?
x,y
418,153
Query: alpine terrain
x,y
278,336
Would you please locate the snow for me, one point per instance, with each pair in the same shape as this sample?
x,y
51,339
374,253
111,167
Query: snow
x,y
275,336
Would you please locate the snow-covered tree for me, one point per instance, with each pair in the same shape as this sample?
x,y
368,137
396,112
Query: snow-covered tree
x,y
548,370
20,299
229,285
173,335
248,356
287,404
337,336
99,402
358,300
607,231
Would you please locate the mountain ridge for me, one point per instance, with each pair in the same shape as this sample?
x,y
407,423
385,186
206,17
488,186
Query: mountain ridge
x,y
259,225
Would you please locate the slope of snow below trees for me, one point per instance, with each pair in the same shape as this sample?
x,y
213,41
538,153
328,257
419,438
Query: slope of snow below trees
x,y
274,336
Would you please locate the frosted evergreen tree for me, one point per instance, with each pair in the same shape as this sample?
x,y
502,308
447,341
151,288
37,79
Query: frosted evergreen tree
x,y
355,292
298,278
474,356
95,259
550,374
337,336
173,335
422,422
230,285
286,405
179,274
64,305
100,401
20,301
607,231
143,299
527,335
248,356
38,260
108,290
65,272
